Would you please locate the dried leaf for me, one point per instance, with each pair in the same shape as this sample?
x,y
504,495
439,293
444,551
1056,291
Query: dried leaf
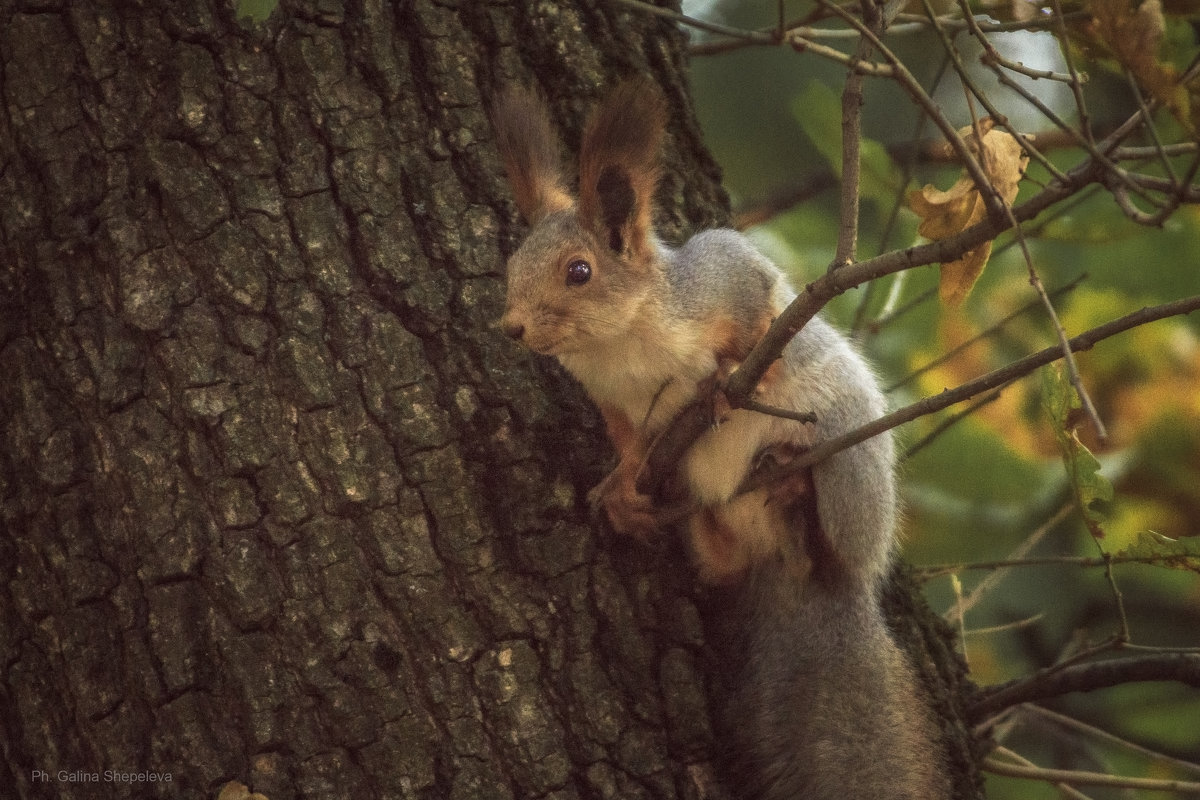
x,y
945,213
1132,33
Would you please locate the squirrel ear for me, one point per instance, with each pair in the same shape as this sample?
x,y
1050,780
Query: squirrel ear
x,y
618,166
528,144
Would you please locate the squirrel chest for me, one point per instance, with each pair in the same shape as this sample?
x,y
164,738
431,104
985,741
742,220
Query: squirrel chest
x,y
646,374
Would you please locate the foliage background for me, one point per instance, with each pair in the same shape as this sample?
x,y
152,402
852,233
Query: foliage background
x,y
772,118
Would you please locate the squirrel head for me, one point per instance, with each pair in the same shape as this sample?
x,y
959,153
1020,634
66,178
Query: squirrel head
x,y
589,262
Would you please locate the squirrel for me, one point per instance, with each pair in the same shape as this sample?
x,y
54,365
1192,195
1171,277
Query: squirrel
x,y
821,702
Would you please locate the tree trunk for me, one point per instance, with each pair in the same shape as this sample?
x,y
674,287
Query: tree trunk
x,y
279,506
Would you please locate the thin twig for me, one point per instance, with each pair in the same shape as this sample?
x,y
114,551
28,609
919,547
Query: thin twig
x,y
816,294
991,380
1079,138
956,23
1067,791
988,332
1007,626
937,570
993,55
1085,399
916,151
783,413
1175,195
1064,40
965,76
754,37
852,101
1035,281
1106,737
1079,778
1141,153
858,66
1151,128
800,40
961,613
989,583
908,160
910,84
947,424
1122,635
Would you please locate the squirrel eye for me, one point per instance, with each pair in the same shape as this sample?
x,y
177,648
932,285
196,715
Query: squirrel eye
x,y
579,272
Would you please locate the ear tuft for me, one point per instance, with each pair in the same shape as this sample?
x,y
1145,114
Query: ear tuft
x,y
619,164
617,202
528,143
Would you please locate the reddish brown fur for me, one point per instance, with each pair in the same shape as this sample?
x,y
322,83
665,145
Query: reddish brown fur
x,y
528,143
625,133
719,546
621,432
719,535
628,511
733,341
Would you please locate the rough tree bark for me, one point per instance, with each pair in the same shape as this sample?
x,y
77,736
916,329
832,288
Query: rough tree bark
x,y
278,505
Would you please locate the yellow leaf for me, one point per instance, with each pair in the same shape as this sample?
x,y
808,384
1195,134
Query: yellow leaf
x,y
958,277
945,213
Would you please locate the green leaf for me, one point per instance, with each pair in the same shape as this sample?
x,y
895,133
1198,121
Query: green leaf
x,y
818,109
1158,549
1088,484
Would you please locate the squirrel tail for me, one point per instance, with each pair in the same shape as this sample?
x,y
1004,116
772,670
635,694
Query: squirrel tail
x,y
818,701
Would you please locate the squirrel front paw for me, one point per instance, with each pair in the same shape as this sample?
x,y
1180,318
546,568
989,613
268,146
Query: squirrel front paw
x,y
631,512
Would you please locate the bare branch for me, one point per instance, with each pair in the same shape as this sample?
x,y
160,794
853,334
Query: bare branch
x,y
937,570
947,424
784,413
1054,682
1015,625
1035,280
965,76
852,100
910,84
993,379
1064,39
816,294
748,36
991,330
958,23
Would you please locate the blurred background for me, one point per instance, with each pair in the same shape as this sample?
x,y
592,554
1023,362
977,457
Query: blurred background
x,y
994,485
